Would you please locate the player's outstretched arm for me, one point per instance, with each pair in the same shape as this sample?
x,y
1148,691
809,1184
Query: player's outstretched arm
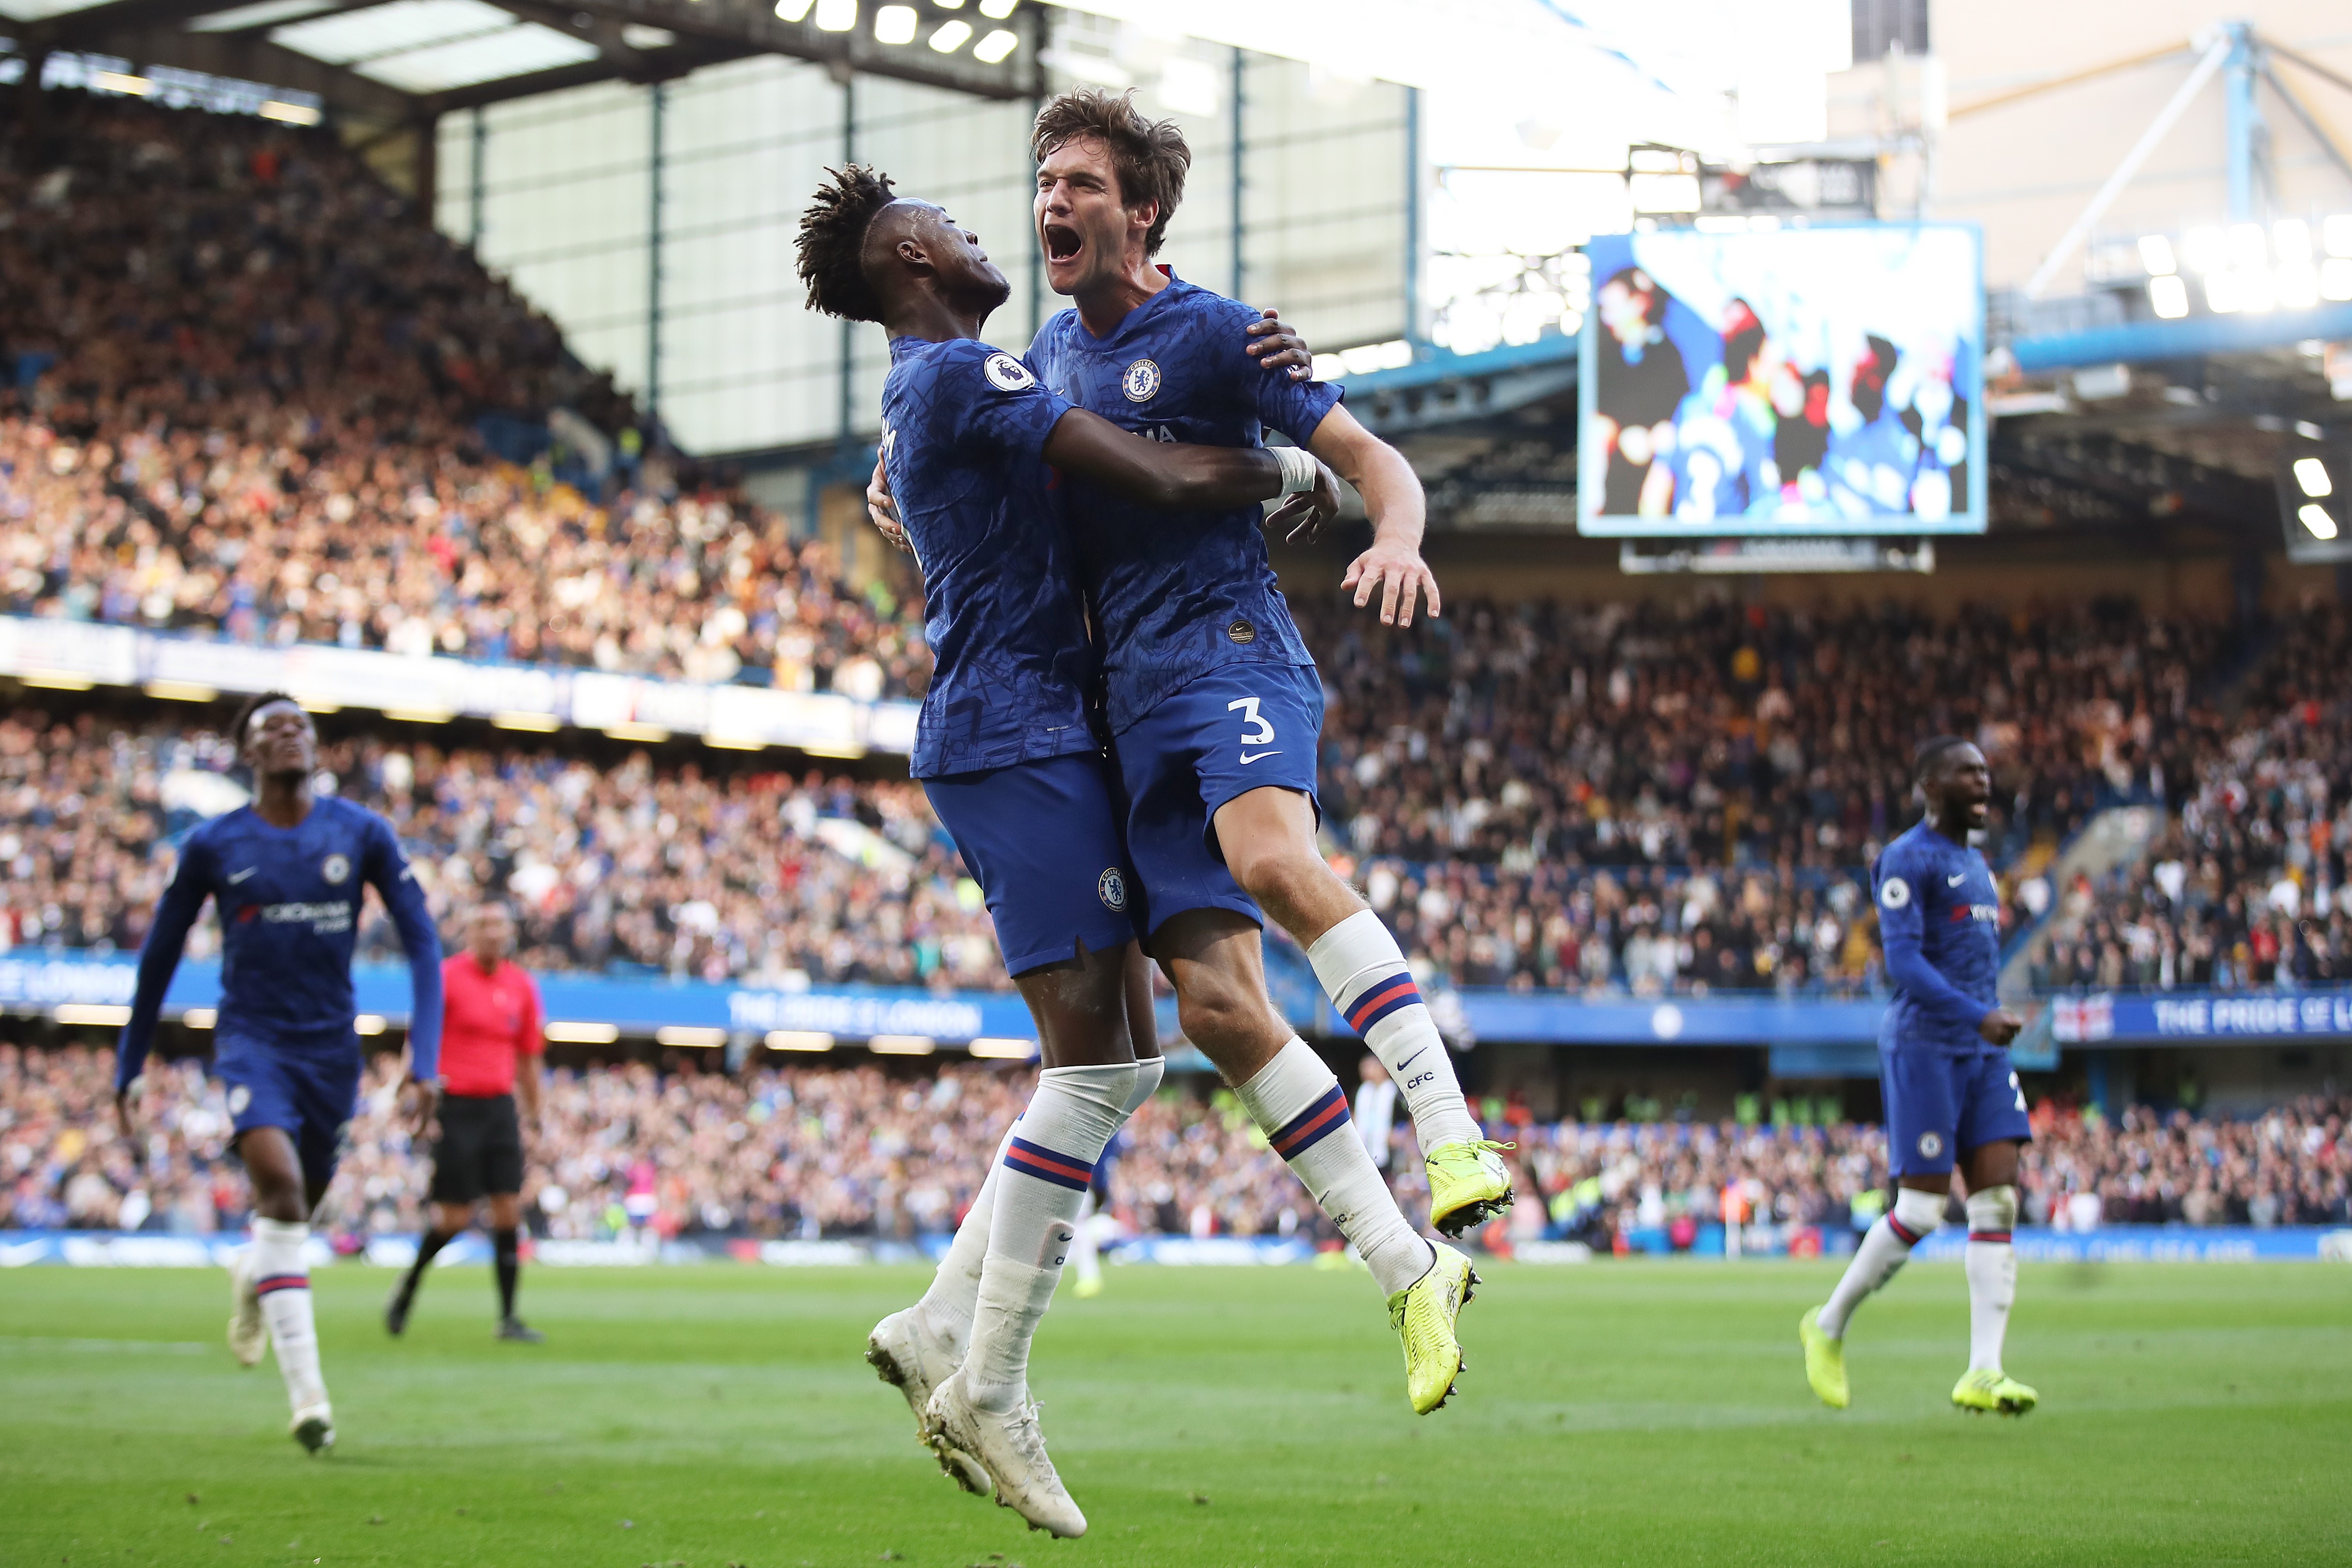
x,y
1392,567
176,914
1191,478
389,871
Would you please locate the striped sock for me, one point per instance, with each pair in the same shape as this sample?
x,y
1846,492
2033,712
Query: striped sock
x,y
1363,970
1991,1265
1885,1247
282,1280
1048,1164
1304,1114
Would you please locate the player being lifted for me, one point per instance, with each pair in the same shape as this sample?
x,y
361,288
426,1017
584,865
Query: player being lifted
x,y
285,874
1214,705
1009,759
1943,1059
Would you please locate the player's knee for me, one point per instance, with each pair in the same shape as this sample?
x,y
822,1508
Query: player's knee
x,y
1920,1213
1993,1210
1213,1014
1279,874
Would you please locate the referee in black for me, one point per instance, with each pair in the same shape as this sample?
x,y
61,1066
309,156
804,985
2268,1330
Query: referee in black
x,y
490,1048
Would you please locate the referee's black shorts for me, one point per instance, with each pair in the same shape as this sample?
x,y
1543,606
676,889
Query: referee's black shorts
x,y
480,1151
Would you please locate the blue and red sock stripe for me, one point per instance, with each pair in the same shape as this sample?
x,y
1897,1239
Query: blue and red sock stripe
x,y
1999,1238
1388,995
1046,1164
270,1282
1312,1125
1903,1233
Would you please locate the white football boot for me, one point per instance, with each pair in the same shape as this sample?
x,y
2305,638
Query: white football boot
x,y
313,1427
915,1359
1012,1449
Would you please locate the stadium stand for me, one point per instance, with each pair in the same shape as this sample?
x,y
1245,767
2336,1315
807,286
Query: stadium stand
x,y
232,416
838,1152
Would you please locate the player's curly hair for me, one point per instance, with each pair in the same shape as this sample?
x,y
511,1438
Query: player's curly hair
x,y
1150,156
241,727
1932,752
832,243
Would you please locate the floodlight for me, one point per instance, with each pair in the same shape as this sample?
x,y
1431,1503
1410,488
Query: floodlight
x,y
2298,283
950,35
2291,239
2336,278
2204,247
2248,246
893,24
2317,519
2156,255
2337,235
2168,296
836,16
2311,475
996,45
792,10
997,10
2222,292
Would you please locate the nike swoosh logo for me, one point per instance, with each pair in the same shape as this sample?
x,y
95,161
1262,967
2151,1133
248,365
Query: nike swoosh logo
x,y
237,876
1248,758
1409,1060
1955,880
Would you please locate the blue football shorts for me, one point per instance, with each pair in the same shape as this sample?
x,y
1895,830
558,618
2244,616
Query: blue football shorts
x,y
307,1086
1940,1105
1233,729
1042,840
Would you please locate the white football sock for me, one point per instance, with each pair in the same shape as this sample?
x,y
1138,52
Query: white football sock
x,y
954,1293
1048,1164
1991,1264
282,1280
1299,1107
1083,1256
1885,1247
1364,972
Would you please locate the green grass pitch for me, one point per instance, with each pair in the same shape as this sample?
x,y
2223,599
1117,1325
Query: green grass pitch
x,y
1618,1413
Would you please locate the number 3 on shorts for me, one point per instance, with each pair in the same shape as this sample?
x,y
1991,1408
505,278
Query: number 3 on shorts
x,y
1259,732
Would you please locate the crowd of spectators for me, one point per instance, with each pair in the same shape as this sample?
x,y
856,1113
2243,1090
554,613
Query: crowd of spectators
x,y
760,877
2244,883
828,1151
243,393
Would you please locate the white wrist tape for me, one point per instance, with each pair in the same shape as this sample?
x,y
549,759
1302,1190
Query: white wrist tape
x,y
1299,469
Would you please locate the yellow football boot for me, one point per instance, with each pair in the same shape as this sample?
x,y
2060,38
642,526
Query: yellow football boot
x,y
1467,1184
1422,1314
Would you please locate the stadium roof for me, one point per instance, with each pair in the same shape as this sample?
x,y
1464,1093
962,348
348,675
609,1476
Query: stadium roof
x,y
410,60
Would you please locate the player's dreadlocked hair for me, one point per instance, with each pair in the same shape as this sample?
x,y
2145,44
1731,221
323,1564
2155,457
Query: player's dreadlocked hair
x,y
1932,752
832,243
241,727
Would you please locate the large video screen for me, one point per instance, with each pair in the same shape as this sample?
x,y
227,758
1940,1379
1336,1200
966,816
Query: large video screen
x,y
1802,380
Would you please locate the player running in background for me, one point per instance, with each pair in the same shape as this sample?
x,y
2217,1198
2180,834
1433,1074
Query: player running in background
x,y
1008,756
285,874
1943,1059
490,1052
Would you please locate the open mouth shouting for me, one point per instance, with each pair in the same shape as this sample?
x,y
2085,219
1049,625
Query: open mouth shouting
x,y
1063,243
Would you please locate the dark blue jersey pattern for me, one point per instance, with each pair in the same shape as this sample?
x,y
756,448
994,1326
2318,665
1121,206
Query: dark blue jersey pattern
x,y
1939,923
964,436
1177,593
289,902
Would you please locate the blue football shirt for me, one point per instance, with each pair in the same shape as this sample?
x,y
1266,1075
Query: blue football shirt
x,y
288,900
1177,593
1939,922
964,436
